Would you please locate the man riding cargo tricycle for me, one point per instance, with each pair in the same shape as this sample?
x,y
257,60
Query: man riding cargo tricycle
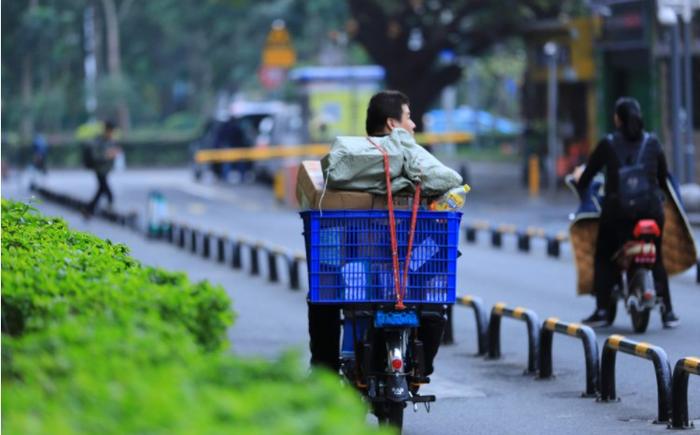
x,y
380,258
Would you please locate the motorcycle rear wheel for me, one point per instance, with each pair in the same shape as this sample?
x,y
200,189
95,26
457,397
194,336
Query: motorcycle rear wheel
x,y
391,414
640,318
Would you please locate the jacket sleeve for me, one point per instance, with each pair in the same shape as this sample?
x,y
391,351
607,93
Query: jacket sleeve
x,y
662,167
595,164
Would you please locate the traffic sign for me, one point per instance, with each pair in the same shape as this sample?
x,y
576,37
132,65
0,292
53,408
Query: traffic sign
x,y
278,52
271,77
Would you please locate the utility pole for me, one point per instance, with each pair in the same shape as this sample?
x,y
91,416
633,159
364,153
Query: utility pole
x,y
550,49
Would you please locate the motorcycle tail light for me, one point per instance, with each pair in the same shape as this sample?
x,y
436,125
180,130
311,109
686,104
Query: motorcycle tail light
x,y
396,363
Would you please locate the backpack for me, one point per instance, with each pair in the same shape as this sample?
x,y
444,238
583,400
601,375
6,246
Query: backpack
x,y
87,156
637,192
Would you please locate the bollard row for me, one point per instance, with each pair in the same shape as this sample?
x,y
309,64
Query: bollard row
x,y
221,248
129,220
672,389
523,237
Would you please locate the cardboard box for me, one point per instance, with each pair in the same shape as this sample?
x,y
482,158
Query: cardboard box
x,y
310,189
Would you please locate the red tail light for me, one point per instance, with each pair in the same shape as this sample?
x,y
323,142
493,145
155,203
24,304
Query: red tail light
x,y
396,364
646,227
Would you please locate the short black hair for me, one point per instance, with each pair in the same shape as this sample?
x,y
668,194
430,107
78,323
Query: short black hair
x,y
382,106
109,125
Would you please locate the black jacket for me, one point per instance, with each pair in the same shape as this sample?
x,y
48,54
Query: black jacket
x,y
607,157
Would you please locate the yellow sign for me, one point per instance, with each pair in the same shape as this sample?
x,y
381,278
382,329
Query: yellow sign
x,y
278,52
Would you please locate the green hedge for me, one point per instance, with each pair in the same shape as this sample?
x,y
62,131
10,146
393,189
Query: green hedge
x,y
50,273
94,342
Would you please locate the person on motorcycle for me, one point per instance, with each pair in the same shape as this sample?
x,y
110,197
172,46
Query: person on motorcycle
x,y
612,153
387,110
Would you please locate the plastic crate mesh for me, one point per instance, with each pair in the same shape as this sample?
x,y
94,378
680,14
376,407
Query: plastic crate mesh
x,y
349,256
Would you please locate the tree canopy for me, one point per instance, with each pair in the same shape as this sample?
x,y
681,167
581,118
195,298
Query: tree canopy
x,y
422,44
162,58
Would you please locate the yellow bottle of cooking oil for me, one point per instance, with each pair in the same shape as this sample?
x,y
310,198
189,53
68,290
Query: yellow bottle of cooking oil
x,y
452,200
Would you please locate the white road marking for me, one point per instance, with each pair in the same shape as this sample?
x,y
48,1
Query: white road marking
x,y
444,388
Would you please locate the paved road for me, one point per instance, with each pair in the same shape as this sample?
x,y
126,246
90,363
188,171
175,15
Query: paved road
x,y
474,395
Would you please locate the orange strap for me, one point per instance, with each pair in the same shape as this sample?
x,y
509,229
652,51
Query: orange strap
x,y
400,292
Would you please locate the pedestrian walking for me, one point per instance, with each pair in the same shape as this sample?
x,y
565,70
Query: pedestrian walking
x,y
99,157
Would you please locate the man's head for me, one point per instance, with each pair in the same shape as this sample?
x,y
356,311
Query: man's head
x,y
388,110
109,127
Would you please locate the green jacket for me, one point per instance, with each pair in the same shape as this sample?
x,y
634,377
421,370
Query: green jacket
x,y
354,163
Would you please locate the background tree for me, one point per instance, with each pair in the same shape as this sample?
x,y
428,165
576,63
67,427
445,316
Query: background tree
x,y
419,43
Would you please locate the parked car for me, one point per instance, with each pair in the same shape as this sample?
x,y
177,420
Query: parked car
x,y
248,125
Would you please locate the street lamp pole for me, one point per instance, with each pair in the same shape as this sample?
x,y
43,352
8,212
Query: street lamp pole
x,y
688,67
676,106
550,50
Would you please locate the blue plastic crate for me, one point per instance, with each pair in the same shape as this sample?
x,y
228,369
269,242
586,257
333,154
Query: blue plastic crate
x,y
349,256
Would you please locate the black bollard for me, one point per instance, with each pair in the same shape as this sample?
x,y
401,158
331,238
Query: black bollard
x,y
254,264
524,242
206,238
221,249
293,263
272,265
496,238
470,234
169,232
553,247
181,239
193,241
236,255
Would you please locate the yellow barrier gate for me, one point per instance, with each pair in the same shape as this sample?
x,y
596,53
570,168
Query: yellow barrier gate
x,y
311,150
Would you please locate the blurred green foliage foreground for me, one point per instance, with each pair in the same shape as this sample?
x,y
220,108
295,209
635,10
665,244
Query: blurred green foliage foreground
x,y
94,342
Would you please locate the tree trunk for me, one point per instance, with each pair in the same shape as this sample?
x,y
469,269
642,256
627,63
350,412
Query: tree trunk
x,y
27,124
27,87
114,63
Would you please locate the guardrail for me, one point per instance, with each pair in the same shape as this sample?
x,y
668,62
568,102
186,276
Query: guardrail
x,y
590,350
523,237
679,391
657,355
481,321
533,332
200,243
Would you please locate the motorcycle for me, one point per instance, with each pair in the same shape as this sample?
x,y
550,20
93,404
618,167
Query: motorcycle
x,y
383,358
635,261
636,287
